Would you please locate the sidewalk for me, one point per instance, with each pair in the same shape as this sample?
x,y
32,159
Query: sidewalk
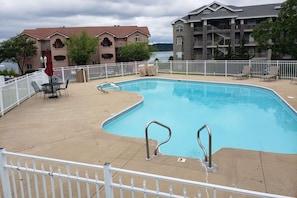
x,y
70,128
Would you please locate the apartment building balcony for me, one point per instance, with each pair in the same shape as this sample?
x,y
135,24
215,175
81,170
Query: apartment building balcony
x,y
198,30
218,27
198,44
249,26
213,28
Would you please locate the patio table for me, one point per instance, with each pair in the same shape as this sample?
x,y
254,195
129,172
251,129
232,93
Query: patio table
x,y
51,88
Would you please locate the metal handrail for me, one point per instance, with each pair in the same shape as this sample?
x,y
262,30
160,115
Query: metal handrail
x,y
100,87
146,138
209,146
114,85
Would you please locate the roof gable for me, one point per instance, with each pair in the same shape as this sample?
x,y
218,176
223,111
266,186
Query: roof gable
x,y
116,31
213,7
57,33
216,10
105,32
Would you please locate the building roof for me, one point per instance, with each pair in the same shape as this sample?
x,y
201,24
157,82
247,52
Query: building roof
x,y
216,10
117,31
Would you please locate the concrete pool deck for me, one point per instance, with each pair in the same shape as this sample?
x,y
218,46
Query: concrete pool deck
x,y
70,128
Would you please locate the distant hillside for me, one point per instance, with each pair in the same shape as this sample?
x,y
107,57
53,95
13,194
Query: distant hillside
x,y
164,46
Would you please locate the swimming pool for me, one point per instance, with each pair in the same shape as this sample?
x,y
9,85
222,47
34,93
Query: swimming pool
x,y
239,116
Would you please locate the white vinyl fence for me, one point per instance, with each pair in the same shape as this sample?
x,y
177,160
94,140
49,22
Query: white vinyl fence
x,y
29,176
15,91
287,69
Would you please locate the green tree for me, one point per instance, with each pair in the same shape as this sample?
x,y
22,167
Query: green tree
x,y
230,54
135,52
242,53
263,34
286,28
279,35
152,48
17,49
80,48
218,54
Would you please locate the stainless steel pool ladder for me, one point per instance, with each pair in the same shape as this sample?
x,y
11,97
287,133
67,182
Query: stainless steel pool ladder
x,y
100,88
157,147
206,159
114,85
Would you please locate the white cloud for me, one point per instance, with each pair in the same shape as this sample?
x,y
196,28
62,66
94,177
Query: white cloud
x,y
17,15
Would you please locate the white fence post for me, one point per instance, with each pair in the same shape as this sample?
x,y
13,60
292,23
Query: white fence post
x,y
28,86
226,68
63,74
157,66
171,66
204,67
4,175
88,73
105,66
122,69
108,180
17,91
1,101
135,67
187,67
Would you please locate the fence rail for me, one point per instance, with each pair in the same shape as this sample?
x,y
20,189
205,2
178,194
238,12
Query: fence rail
x,y
14,92
25,175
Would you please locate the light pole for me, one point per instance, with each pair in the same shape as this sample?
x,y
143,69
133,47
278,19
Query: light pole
x,y
43,60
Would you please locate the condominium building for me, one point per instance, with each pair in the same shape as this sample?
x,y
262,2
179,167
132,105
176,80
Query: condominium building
x,y
218,27
111,39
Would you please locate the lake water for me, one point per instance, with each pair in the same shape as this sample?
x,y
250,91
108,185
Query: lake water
x,y
162,56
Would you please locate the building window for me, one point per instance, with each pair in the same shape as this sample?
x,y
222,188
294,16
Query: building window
x,y
251,24
59,58
29,66
251,39
206,11
137,38
107,56
179,28
179,40
106,42
58,44
214,6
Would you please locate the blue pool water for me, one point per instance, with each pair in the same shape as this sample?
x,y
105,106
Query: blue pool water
x,y
239,116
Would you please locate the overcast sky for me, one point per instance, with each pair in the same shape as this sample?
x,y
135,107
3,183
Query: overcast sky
x,y
157,15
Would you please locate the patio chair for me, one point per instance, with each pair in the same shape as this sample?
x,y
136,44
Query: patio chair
x,y
64,88
50,91
272,74
36,88
245,73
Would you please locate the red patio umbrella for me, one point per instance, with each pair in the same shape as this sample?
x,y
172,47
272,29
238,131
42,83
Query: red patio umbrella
x,y
49,70
49,66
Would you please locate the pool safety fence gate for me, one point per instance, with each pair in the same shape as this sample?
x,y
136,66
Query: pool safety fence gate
x,y
25,175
